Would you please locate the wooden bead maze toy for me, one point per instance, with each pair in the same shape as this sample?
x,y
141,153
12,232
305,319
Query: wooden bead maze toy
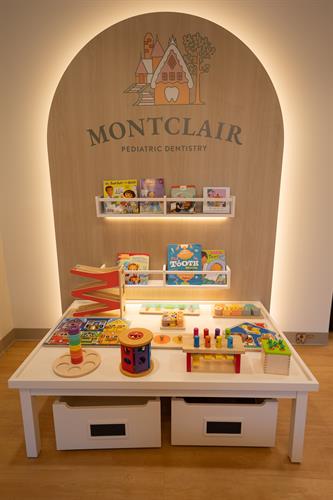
x,y
275,356
107,293
135,352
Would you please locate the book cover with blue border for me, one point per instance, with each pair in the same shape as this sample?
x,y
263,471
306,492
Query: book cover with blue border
x,y
184,257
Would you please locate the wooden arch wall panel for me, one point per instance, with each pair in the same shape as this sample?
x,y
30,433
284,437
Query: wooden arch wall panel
x,y
182,141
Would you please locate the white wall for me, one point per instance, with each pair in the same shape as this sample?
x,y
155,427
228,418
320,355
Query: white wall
x,y
6,318
39,39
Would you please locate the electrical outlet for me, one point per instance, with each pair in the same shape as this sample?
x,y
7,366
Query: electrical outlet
x,y
300,338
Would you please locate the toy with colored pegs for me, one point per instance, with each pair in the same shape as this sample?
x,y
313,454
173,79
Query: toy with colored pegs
x,y
107,293
199,348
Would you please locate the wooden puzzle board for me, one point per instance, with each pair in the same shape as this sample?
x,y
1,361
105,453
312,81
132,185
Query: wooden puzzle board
x,y
162,339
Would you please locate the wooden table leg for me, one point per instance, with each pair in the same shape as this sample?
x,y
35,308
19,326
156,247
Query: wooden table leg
x,y
30,423
297,427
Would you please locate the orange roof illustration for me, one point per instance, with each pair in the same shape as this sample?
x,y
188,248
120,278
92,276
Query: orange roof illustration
x,y
158,49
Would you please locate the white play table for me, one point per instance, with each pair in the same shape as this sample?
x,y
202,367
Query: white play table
x,y
169,377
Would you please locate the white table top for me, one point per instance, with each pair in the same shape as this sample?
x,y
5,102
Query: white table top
x,y
169,376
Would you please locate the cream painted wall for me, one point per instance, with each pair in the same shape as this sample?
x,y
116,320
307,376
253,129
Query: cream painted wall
x,y
6,318
291,38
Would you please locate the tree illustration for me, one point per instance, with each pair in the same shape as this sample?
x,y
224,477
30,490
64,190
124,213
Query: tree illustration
x,y
198,48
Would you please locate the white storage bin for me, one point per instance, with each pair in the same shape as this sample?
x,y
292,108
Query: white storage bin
x,y
223,422
92,422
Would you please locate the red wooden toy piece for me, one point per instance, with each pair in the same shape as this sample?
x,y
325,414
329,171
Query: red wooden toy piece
x,y
107,293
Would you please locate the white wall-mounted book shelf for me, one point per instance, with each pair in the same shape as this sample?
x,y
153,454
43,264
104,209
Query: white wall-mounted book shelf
x,y
104,207
157,278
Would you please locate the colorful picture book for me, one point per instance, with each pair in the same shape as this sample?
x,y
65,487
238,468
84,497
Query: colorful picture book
x,y
217,205
184,257
127,189
94,331
134,262
182,207
213,260
151,188
252,335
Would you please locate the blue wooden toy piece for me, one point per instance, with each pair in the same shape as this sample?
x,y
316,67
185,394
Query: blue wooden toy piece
x,y
230,342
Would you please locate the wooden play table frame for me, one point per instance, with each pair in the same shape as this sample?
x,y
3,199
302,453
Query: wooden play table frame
x,y
169,377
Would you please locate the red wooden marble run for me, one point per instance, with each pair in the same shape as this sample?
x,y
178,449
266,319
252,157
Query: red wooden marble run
x,y
107,293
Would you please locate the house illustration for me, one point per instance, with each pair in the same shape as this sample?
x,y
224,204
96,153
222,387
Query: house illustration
x,y
162,76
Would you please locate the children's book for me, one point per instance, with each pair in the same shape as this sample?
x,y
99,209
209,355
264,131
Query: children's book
x,y
184,257
217,205
152,188
121,189
134,262
182,207
252,335
213,260
94,331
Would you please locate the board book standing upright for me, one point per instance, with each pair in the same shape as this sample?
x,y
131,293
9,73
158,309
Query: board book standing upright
x,y
184,257
126,189
183,207
151,188
213,260
217,203
134,262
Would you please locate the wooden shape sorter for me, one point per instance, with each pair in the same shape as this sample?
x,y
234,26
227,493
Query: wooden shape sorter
x,y
107,293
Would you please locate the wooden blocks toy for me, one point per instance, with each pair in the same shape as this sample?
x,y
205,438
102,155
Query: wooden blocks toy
x,y
275,356
135,352
199,348
107,292
173,320
238,310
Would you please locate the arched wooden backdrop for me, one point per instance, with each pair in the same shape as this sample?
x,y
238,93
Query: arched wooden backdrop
x,y
245,153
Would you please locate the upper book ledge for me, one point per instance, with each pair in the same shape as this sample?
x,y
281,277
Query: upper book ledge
x,y
166,207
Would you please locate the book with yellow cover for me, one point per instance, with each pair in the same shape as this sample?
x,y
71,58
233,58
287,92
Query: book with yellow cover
x,y
127,188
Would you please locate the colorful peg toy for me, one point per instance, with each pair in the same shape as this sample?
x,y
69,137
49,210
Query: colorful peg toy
x,y
200,350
